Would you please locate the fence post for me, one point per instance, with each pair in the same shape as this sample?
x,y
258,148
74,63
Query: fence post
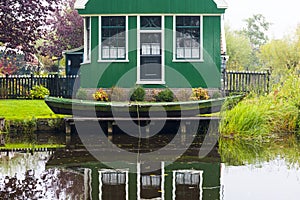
x,y
7,88
56,82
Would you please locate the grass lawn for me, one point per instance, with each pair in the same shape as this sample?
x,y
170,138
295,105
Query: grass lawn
x,y
25,109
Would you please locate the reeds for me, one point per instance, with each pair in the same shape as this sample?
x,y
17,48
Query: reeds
x,y
259,116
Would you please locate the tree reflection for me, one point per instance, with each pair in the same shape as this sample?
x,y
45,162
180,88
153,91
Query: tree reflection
x,y
52,184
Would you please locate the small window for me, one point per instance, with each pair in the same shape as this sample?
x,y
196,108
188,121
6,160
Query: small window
x,y
113,38
150,23
188,38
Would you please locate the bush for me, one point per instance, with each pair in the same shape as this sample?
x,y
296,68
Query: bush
x,y
165,96
81,94
100,95
199,94
39,92
138,94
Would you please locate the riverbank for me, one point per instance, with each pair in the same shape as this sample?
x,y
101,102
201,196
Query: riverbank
x,y
265,115
23,116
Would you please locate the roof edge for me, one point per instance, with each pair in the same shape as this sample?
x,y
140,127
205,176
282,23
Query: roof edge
x,y
80,4
221,4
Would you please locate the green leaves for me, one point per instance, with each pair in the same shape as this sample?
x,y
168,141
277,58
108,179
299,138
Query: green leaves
x,y
39,92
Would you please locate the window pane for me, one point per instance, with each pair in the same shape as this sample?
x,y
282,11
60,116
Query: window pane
x,y
151,22
113,37
188,37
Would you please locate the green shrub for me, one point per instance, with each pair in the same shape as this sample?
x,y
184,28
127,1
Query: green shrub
x,y
216,95
138,94
81,94
39,92
199,94
100,95
165,96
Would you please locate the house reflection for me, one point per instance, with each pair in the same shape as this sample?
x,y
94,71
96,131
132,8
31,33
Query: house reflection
x,y
194,179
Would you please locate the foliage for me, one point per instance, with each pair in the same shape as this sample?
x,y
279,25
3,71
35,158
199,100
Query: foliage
x,y
81,94
100,95
165,95
289,89
256,30
39,92
138,94
66,31
216,95
118,94
22,23
282,55
9,64
238,49
199,94
259,116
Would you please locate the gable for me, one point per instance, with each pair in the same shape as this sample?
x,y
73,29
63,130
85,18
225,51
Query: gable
x,y
96,7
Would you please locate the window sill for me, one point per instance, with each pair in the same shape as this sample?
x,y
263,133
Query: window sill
x,y
113,61
188,60
150,82
86,62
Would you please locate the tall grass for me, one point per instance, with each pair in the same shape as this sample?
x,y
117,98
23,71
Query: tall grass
x,y
268,115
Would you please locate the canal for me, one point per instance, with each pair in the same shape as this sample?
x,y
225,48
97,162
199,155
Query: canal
x,y
233,169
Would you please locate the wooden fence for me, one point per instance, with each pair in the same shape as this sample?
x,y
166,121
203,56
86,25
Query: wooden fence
x,y
246,81
12,87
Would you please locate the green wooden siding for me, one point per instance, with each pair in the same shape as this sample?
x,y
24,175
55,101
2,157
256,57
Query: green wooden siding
x,y
124,74
153,6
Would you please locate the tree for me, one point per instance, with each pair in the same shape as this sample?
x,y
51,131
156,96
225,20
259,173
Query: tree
x,y
282,55
22,23
238,50
66,31
256,30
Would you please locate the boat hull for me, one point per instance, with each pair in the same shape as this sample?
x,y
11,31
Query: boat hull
x,y
133,109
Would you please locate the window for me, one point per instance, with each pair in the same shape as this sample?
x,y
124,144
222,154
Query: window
x,y
113,38
188,38
87,39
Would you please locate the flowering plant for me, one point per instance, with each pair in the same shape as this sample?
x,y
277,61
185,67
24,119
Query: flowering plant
x,y
100,95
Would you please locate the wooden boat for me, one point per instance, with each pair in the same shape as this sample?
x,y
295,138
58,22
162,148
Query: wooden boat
x,y
87,108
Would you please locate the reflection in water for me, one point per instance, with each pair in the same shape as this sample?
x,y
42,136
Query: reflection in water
x,y
113,184
260,169
21,180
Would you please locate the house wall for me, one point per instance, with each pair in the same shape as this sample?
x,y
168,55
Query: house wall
x,y
204,74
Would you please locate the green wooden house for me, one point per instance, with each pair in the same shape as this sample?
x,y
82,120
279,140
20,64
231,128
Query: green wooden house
x,y
153,43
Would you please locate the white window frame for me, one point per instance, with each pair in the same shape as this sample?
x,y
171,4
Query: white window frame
x,y
100,40
200,172
175,40
138,185
114,170
87,45
161,31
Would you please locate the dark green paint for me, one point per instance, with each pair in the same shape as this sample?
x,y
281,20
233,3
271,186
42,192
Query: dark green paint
x,y
124,74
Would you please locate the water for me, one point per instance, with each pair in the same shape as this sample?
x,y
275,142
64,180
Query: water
x,y
234,170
